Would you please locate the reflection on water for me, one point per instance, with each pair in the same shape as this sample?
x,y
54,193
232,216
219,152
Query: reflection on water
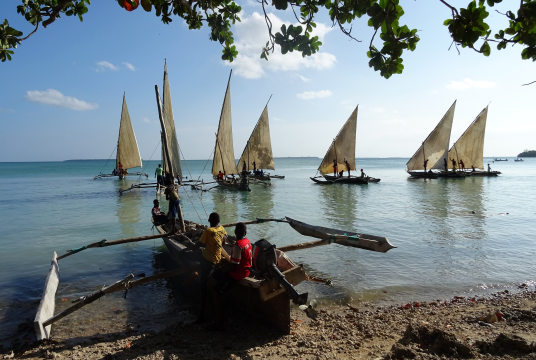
x,y
128,213
340,203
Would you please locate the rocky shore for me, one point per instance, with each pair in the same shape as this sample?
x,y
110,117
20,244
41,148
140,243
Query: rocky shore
x,y
502,325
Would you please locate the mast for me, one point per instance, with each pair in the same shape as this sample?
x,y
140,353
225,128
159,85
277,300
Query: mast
x,y
168,157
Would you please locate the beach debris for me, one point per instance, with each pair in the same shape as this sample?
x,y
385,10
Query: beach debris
x,y
310,309
10,356
489,318
353,308
482,323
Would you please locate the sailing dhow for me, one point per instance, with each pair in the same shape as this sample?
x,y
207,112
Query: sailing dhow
x,y
224,164
127,154
341,156
433,153
468,150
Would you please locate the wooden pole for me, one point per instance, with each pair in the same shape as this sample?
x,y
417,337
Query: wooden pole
x,y
168,157
258,221
357,241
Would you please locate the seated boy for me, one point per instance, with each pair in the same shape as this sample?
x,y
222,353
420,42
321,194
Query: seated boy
x,y
240,262
158,216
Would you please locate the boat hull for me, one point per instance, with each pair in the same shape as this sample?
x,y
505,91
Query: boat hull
x,y
484,173
264,299
347,180
453,175
423,175
238,185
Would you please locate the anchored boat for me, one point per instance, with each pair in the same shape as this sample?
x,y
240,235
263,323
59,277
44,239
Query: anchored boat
x,y
434,149
341,157
127,152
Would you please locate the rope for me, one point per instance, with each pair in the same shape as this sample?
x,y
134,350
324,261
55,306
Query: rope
x,y
108,160
195,186
205,165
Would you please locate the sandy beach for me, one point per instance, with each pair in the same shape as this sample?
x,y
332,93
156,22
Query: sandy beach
x,y
498,326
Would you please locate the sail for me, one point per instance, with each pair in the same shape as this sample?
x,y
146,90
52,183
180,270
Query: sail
x,y
470,146
224,159
167,113
259,146
127,147
435,147
343,147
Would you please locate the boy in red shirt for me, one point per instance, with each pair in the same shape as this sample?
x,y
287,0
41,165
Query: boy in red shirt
x,y
241,261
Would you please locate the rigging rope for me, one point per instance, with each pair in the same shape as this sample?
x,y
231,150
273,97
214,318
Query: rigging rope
x,y
148,161
193,205
195,185
108,159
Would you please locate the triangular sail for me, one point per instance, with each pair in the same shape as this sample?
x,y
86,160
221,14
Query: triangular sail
x,y
128,153
435,147
224,159
259,146
470,146
343,147
167,113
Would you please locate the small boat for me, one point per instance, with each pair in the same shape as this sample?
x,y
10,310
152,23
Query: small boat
x,y
482,173
127,152
434,149
224,160
319,180
342,153
258,154
500,159
518,159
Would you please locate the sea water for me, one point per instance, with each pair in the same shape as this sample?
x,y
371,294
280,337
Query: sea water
x,y
453,236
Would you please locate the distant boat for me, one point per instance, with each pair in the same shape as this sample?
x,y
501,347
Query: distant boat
x,y
500,159
342,148
127,154
434,149
258,151
518,159
469,148
224,159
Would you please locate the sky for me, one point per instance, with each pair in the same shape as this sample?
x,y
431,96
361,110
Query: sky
x,y
61,95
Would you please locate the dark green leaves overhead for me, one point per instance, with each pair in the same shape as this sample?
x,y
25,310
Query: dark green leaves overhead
x,y
467,26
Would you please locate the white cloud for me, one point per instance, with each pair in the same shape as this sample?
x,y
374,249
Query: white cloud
x,y
146,120
251,34
129,66
54,97
7,110
105,65
303,78
308,95
468,83
278,119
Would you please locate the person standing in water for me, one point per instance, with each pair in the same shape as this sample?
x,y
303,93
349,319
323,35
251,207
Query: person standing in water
x,y
158,175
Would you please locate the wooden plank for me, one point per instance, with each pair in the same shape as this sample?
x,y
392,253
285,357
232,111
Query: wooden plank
x,y
269,290
47,304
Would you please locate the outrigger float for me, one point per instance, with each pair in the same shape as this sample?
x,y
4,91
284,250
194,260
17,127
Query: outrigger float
x,y
269,292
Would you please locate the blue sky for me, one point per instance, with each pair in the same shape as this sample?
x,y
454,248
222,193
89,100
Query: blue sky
x,y
61,94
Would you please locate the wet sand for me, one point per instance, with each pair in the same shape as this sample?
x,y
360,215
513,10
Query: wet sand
x,y
498,326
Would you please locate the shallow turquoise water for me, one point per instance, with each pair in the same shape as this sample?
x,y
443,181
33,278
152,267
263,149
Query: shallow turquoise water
x,y
442,247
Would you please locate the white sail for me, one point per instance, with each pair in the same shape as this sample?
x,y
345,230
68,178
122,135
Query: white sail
x,y
224,159
167,113
435,147
128,153
470,146
342,148
259,147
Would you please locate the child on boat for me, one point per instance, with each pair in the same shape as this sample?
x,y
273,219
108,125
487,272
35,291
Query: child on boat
x,y
159,217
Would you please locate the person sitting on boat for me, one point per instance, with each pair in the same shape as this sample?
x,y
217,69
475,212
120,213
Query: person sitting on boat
x,y
261,173
159,217
173,196
473,168
114,172
363,175
158,175
425,164
229,276
213,239
335,170
220,176
341,173
347,166
462,165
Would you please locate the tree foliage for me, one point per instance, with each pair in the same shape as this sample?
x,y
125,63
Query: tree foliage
x,y
467,26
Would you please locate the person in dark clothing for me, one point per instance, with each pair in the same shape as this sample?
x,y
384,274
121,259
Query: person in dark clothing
x,y
453,163
244,167
159,217
425,164
254,166
445,164
173,196
347,166
335,171
473,168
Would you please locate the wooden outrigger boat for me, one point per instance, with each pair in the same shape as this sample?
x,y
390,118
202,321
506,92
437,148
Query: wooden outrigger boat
x,y
267,296
434,149
224,160
127,152
258,154
469,148
342,153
